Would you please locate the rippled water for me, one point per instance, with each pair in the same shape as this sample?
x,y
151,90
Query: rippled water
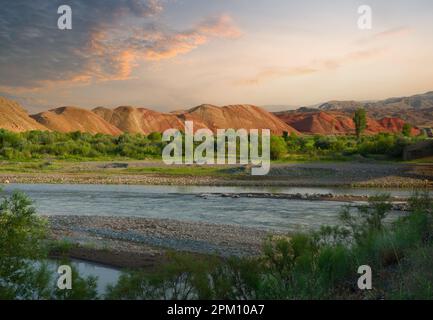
x,y
184,203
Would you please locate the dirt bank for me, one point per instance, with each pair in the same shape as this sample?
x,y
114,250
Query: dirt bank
x,y
345,174
142,242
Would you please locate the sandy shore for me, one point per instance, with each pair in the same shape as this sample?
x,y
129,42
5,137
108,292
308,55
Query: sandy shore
x,y
142,242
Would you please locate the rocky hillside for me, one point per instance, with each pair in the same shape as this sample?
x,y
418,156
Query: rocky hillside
x,y
69,119
416,110
14,118
334,117
389,115
338,122
415,102
236,117
139,120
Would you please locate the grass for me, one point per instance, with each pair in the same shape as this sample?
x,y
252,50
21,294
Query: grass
x,y
62,166
318,265
421,161
28,166
312,265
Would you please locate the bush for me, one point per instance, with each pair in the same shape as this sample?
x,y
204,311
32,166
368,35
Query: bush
x,y
318,265
78,145
278,148
23,271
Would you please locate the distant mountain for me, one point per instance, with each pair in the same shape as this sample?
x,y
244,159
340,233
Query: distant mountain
x,y
338,123
318,122
237,117
417,109
14,118
416,102
335,117
139,120
341,105
278,107
69,119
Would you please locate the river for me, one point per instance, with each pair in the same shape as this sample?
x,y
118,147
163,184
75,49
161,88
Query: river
x,y
185,204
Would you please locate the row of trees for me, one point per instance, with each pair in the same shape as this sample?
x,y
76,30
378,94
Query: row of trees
x,y
318,147
77,145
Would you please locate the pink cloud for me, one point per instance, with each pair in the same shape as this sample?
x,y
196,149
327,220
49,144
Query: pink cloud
x,y
162,45
311,68
110,58
389,34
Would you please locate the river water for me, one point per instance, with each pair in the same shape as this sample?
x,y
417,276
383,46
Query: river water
x,y
105,275
184,203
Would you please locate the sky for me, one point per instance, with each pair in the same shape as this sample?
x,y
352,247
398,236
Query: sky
x,y
176,54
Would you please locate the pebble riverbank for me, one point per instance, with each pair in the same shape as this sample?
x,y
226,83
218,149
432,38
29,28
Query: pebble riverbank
x,y
347,174
143,235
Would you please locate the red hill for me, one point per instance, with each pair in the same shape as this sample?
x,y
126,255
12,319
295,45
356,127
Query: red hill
x,y
336,122
139,120
70,119
237,117
14,118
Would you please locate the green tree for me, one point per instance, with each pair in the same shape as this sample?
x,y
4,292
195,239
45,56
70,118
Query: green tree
x,y
278,147
407,130
155,136
360,120
23,253
21,235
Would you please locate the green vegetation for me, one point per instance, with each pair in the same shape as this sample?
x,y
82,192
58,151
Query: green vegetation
x,y
48,146
24,273
278,148
77,146
360,120
315,265
384,146
318,265
407,129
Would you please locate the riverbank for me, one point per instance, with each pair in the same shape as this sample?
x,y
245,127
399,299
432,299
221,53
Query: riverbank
x,y
129,242
398,203
136,242
317,174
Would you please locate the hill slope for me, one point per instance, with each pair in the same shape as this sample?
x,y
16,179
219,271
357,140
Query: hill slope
x,y
14,118
237,117
416,110
338,122
69,119
139,120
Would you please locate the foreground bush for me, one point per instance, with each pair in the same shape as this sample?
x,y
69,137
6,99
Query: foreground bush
x,y
315,265
23,254
318,265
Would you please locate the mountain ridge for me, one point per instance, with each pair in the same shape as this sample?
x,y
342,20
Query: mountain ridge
x,y
388,115
332,117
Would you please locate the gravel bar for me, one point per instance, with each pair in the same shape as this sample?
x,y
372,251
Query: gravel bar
x,y
132,232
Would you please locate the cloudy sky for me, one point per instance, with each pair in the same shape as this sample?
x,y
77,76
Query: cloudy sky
x,y
176,54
